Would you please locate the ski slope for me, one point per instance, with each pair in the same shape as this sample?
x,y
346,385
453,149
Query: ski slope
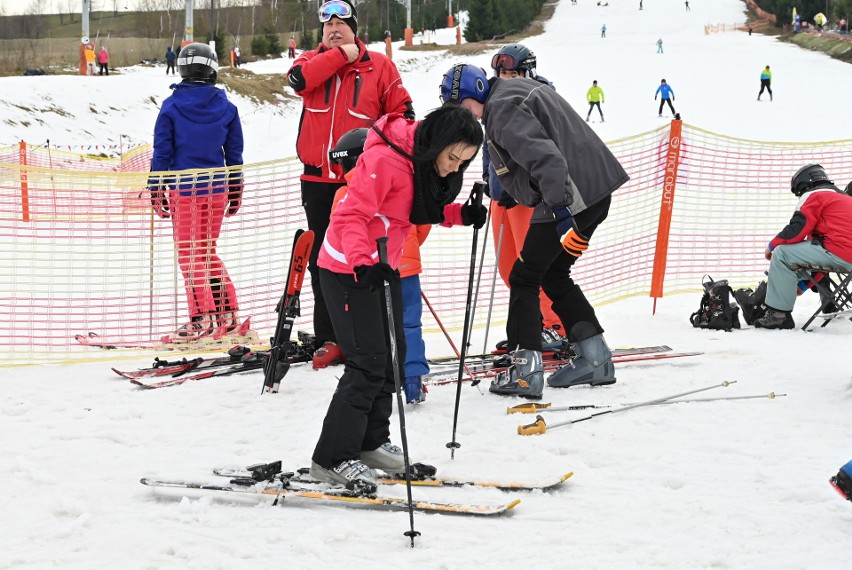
x,y
739,484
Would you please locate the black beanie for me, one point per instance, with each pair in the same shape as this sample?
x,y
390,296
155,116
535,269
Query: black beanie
x,y
353,21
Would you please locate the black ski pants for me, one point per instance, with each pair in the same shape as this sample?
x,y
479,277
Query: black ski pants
x,y
544,263
317,198
764,84
663,102
358,416
592,105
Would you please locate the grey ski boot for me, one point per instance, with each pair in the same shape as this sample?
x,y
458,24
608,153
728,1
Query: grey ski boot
x,y
593,365
525,377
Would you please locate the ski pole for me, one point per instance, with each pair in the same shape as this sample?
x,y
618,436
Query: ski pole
x,y
533,408
539,425
479,273
382,244
478,188
444,330
494,280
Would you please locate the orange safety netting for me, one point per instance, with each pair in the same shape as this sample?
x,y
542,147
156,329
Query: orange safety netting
x,y
81,249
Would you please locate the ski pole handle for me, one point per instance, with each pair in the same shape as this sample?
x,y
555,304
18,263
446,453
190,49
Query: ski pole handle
x,y
382,245
527,408
478,191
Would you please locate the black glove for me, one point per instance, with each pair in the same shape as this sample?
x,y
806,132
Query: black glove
x,y
486,190
472,214
159,197
507,201
375,275
235,194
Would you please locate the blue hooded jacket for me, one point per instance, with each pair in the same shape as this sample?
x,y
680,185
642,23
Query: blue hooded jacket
x,y
197,128
665,91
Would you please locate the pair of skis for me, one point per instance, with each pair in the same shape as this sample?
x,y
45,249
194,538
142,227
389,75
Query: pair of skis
x,y
489,365
269,480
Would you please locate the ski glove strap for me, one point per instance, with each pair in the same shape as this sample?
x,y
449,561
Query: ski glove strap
x,y
375,275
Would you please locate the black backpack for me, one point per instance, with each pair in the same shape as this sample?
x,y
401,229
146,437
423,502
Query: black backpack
x,y
716,310
752,302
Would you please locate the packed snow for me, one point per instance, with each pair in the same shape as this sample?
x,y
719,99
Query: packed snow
x,y
727,484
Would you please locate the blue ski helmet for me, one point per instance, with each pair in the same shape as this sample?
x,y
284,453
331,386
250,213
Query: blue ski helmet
x,y
464,81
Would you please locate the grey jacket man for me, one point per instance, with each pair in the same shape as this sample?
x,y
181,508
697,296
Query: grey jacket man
x,y
545,154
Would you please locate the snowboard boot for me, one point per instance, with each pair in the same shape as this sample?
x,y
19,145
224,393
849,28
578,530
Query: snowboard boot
x,y
775,319
593,365
524,378
351,473
197,328
387,457
751,302
415,391
328,354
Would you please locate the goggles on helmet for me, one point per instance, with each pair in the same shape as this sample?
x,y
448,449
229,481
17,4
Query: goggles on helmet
x,y
334,8
504,61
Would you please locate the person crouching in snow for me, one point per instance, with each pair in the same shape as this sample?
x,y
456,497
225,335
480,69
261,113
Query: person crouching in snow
x,y
409,174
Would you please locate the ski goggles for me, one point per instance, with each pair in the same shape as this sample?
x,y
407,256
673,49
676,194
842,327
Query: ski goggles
x,y
504,61
334,8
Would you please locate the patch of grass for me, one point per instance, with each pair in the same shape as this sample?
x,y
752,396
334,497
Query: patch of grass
x,y
835,47
258,88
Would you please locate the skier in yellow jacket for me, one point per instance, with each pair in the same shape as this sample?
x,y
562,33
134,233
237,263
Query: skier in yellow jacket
x,y
595,96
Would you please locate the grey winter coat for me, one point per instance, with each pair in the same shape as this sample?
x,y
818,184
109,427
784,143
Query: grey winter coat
x,y
544,152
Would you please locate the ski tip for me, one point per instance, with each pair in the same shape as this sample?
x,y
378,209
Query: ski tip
x,y
566,476
513,504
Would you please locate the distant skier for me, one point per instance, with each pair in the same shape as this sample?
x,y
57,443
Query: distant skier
x,y
595,96
687,5
666,94
660,45
640,4
765,81
170,60
603,31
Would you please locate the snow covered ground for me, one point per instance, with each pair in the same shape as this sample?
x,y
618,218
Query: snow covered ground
x,y
740,484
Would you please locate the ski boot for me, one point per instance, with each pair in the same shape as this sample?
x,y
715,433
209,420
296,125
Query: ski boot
x,y
842,482
525,377
387,457
328,354
593,365
775,319
550,340
198,327
351,473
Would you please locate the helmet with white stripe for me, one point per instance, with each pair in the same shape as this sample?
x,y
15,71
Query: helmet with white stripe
x,y
198,62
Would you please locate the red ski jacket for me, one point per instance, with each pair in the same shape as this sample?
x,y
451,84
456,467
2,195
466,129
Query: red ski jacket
x,y
824,214
337,97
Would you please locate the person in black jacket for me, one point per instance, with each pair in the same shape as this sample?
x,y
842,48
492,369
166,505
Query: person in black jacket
x,y
535,141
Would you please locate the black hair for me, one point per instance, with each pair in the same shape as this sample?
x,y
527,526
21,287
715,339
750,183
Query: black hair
x,y
445,126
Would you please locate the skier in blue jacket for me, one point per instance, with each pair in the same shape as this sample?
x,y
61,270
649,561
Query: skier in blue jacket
x,y
198,128
666,94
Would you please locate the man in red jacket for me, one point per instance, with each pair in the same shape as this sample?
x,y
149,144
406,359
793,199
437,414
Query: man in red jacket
x,y
819,233
343,87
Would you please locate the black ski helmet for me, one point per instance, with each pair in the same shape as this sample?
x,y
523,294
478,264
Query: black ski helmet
x,y
198,62
807,178
348,148
515,57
